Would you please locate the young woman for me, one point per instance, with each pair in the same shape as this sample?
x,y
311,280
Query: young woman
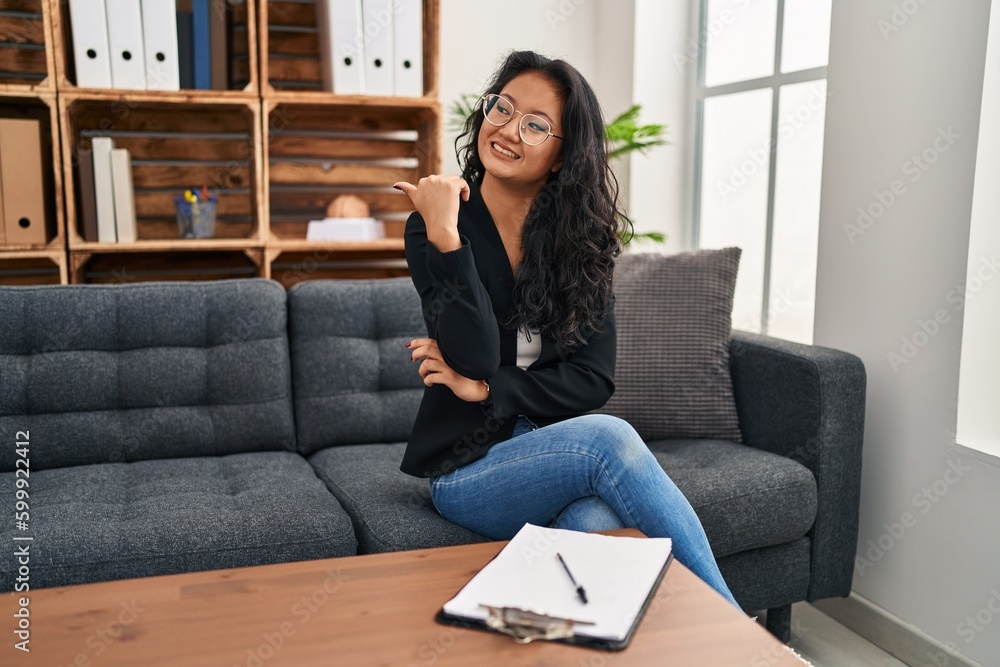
x,y
513,262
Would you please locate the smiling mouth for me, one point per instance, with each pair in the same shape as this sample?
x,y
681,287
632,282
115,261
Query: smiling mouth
x,y
504,151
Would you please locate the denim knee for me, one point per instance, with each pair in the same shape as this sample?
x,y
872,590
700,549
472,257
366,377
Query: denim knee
x,y
588,514
617,437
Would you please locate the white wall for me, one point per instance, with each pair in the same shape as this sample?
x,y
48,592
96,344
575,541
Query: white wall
x,y
476,35
929,531
625,48
665,54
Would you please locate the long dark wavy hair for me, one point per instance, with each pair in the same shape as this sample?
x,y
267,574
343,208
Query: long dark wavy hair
x,y
563,286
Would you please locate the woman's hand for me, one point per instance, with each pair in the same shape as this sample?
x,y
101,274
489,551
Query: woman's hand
x,y
434,370
436,198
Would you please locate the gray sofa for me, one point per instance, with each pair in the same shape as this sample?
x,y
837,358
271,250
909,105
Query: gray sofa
x,y
175,427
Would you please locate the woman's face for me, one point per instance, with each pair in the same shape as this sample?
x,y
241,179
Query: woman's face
x,y
504,155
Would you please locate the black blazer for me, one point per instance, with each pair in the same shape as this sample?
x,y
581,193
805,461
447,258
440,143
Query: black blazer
x,y
464,294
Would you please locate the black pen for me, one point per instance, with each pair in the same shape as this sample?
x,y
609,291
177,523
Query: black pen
x,y
579,588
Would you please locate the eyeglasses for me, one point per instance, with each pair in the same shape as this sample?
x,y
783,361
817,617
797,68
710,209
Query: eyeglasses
x,y
534,130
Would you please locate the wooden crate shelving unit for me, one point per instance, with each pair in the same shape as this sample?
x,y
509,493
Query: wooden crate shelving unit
x,y
97,266
175,143
276,146
379,259
320,145
243,52
27,53
43,263
316,151
27,90
289,49
33,267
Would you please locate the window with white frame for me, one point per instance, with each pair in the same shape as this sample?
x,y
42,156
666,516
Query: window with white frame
x,y
979,296
760,98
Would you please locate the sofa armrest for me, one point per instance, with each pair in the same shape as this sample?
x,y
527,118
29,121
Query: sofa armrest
x,y
807,402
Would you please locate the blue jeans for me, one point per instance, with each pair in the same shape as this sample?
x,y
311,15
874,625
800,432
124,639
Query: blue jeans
x,y
588,473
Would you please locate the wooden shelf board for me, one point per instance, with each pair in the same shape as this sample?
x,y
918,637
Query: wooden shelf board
x,y
41,88
11,90
331,99
55,254
302,245
57,244
203,97
167,245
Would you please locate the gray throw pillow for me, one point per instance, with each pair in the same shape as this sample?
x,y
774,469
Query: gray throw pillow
x,y
674,315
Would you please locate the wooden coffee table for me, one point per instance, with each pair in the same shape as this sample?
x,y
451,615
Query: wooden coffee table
x,y
361,610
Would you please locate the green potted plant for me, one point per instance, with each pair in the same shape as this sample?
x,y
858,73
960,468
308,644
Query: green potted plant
x,y
625,135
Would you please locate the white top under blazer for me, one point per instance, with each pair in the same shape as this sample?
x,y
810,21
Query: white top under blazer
x,y
528,352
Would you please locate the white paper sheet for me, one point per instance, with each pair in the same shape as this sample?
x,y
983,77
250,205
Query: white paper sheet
x,y
617,573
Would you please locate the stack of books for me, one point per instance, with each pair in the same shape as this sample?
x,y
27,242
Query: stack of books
x,y
106,194
150,45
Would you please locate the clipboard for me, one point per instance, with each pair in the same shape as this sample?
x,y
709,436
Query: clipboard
x,y
525,624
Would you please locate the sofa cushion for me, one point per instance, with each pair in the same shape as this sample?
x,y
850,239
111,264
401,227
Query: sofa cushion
x,y
118,373
391,510
771,576
123,520
746,498
353,379
674,321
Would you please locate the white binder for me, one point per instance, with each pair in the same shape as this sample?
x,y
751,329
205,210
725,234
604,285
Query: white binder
x,y
128,69
159,37
104,193
378,18
341,45
90,43
408,48
121,178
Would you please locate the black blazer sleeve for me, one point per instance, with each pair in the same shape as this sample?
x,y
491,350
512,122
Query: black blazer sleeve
x,y
582,382
456,306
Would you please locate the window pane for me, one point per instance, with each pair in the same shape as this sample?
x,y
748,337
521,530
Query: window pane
x,y
979,294
795,235
806,40
735,162
739,40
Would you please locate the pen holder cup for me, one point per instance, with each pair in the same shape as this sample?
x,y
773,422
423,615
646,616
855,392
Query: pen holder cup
x,y
195,220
